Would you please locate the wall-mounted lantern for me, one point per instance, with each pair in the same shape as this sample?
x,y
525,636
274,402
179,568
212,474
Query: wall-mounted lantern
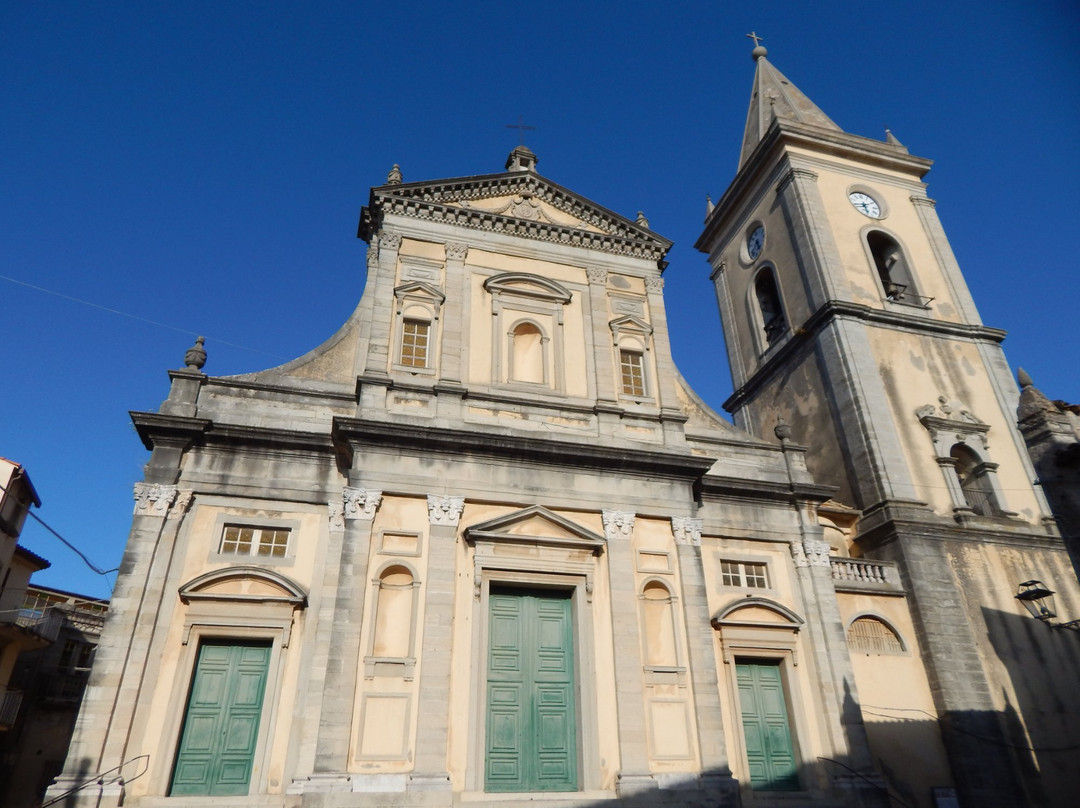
x,y
1039,600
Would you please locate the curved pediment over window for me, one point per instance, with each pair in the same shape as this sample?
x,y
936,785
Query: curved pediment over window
x,y
758,613
244,584
525,284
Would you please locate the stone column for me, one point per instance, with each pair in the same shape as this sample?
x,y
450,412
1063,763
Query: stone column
x,y
108,714
336,658
634,776
432,739
704,679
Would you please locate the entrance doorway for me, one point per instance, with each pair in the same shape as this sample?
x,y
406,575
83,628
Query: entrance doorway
x,y
221,721
531,726
765,725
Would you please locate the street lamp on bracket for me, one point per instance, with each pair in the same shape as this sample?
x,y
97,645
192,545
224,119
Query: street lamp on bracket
x,y
1039,600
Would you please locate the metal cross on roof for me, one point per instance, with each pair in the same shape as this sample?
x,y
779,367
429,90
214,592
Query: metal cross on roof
x,y
521,127
757,39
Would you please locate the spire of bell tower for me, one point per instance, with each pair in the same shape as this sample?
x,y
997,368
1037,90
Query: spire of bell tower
x,y
776,97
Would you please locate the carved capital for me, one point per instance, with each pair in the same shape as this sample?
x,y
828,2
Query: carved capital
x,y
618,525
444,510
181,504
596,275
923,201
654,284
373,253
810,553
456,252
360,503
153,499
686,530
391,241
335,514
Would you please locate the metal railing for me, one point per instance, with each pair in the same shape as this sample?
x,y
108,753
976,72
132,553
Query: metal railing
x,y
10,702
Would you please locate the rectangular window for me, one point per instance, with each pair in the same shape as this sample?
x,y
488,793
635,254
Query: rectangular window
x,y
633,373
254,541
414,343
745,574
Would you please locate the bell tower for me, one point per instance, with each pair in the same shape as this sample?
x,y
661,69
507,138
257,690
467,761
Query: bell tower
x,y
846,317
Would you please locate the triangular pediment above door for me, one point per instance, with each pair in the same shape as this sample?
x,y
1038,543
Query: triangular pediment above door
x,y
535,525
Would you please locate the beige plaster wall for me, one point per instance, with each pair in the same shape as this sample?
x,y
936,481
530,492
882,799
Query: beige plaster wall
x,y
897,706
916,370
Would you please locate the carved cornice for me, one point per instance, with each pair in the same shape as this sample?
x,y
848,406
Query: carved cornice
x,y
440,201
836,309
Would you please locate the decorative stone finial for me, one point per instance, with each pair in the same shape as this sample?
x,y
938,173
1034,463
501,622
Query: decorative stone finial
x,y
758,51
782,430
195,357
709,206
1023,377
890,138
522,159
642,221
394,176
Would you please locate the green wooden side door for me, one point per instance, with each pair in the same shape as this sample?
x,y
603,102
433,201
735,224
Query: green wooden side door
x,y
765,725
531,726
221,724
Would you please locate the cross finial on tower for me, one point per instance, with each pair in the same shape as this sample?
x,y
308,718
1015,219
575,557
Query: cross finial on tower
x,y
521,127
759,49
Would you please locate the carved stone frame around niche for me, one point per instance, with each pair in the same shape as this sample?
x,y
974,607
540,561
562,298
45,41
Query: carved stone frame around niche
x,y
956,425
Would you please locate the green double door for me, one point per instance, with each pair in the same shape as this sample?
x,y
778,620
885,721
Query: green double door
x,y
531,726
766,728
221,723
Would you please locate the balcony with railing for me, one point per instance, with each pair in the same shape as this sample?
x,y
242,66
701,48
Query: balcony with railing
x,y
865,575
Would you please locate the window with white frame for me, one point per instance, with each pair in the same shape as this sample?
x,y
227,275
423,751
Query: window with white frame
x,y
632,366
260,542
744,574
415,341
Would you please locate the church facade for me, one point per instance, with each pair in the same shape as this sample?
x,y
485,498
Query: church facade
x,y
486,545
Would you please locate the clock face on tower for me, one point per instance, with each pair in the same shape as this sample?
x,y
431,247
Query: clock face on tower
x,y
865,204
754,242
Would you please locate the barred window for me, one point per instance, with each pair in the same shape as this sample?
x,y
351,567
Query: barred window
x,y
415,337
633,373
254,541
874,636
745,574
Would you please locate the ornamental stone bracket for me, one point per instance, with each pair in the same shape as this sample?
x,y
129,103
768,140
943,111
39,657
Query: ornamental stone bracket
x,y
687,530
618,525
444,510
810,553
154,499
181,504
361,503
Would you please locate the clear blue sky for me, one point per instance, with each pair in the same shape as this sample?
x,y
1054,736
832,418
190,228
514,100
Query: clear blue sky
x,y
203,165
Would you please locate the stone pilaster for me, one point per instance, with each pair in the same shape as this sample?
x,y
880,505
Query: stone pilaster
x,y
432,741
634,776
809,226
382,315
950,270
452,339
337,640
704,678
123,661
